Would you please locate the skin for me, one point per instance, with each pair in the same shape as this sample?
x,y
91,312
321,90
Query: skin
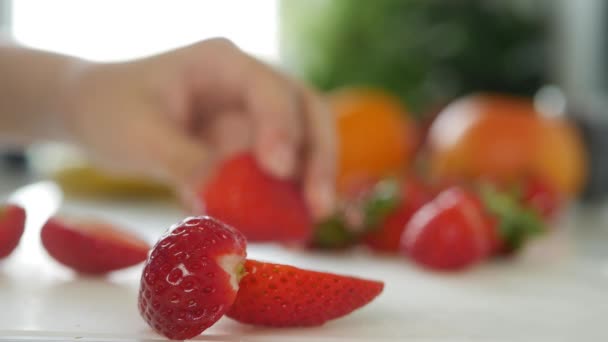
x,y
172,116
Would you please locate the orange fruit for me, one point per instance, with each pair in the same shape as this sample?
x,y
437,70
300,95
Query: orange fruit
x,y
376,137
504,138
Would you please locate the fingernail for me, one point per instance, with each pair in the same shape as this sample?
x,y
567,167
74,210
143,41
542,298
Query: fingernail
x,y
282,160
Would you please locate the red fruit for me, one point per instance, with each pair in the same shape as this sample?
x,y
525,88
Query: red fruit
x,y
543,198
386,237
285,296
92,246
449,233
263,207
191,277
12,223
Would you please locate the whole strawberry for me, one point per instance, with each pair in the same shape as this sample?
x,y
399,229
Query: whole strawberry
x,y
191,277
451,232
92,246
286,296
385,234
540,196
261,206
360,206
12,223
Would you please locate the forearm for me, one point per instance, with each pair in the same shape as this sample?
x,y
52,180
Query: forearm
x,y
33,91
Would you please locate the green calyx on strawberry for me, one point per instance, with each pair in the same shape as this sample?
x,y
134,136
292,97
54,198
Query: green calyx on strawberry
x,y
332,234
515,222
408,196
383,200
358,213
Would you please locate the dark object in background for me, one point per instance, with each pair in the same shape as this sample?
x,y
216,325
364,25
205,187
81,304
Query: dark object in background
x,y
13,160
425,51
595,133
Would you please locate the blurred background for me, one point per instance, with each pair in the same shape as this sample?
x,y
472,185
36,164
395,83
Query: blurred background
x,y
424,52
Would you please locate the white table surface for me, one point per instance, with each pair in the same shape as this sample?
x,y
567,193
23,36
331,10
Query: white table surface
x,y
557,290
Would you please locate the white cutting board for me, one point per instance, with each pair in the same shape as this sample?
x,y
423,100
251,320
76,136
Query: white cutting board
x,y
557,290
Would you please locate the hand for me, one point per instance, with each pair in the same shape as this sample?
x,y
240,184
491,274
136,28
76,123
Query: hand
x,y
175,116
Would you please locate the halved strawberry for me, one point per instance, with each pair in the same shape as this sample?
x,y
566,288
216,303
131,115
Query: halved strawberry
x,y
12,223
191,277
92,246
261,206
285,296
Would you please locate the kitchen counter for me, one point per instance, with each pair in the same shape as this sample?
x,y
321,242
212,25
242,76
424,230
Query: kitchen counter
x,y
557,290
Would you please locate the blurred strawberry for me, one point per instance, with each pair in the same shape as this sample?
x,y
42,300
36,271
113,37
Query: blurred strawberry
x,y
12,224
449,233
362,207
92,246
261,206
542,197
385,234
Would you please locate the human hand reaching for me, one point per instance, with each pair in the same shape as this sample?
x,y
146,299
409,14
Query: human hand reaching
x,y
175,116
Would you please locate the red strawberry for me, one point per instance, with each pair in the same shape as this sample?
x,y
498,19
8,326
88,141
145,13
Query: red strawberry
x,y
191,277
285,296
263,207
360,206
92,246
449,233
12,223
386,236
543,198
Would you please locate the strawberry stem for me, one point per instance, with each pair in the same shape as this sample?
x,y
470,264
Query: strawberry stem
x,y
516,222
384,198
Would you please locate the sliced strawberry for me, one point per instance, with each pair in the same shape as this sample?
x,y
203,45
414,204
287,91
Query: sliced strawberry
x,y
263,207
285,296
12,224
92,246
191,277
449,233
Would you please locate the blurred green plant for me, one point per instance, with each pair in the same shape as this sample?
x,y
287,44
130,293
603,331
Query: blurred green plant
x,y
425,51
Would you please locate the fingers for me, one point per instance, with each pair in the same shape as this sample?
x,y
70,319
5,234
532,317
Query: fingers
x,y
228,133
320,157
293,133
292,130
266,96
277,123
293,124
181,159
